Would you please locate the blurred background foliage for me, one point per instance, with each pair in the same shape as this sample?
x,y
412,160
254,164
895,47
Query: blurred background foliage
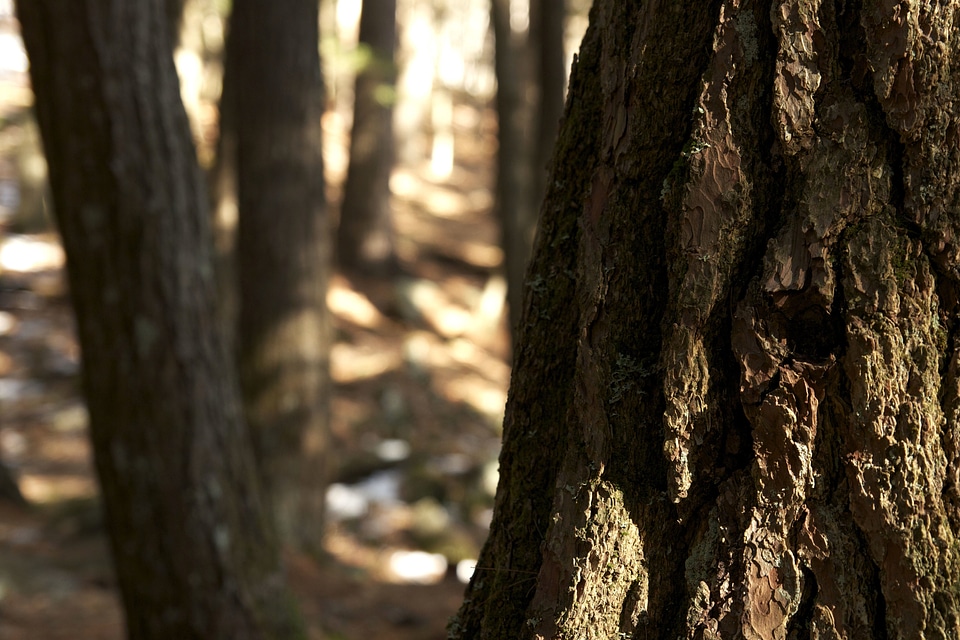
x,y
421,354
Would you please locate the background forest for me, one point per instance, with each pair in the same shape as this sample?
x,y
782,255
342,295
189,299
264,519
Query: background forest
x,y
421,349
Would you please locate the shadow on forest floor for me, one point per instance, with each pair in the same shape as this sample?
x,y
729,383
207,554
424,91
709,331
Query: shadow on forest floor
x,y
419,394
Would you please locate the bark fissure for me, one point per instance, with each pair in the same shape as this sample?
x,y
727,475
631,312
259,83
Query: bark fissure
x,y
873,586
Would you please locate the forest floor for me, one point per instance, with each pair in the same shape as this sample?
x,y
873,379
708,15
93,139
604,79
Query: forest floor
x,y
420,368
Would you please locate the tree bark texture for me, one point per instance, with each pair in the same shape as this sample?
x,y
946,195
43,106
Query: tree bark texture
x,y
365,240
283,254
193,545
735,402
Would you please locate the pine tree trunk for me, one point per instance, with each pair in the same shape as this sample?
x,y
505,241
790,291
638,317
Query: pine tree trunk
x,y
193,545
734,408
365,242
515,153
283,254
547,21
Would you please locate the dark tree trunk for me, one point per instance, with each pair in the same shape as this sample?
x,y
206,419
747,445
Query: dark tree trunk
x,y
365,241
9,489
283,253
193,545
174,12
515,153
222,178
734,408
547,20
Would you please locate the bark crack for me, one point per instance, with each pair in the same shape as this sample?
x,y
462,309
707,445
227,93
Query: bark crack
x,y
872,586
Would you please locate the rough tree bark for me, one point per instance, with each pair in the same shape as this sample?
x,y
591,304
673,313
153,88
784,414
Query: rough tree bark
x,y
283,253
193,546
734,408
365,241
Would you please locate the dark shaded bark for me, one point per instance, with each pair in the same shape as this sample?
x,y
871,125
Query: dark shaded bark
x,y
283,254
193,545
365,242
734,409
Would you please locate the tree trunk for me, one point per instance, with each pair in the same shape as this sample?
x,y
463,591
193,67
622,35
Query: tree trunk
x,y
515,154
9,489
547,18
283,254
174,14
222,180
365,237
194,549
734,408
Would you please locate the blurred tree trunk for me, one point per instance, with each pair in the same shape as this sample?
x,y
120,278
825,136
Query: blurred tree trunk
x,y
547,20
283,253
9,489
222,179
193,545
515,153
174,12
365,237
530,87
734,409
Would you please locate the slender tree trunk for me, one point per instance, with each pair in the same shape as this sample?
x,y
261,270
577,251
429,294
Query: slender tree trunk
x,y
193,546
365,238
515,181
9,489
283,254
734,408
222,179
547,18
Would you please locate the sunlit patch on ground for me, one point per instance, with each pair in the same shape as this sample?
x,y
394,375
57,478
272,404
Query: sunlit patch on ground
x,y
352,363
352,306
417,567
30,253
47,488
